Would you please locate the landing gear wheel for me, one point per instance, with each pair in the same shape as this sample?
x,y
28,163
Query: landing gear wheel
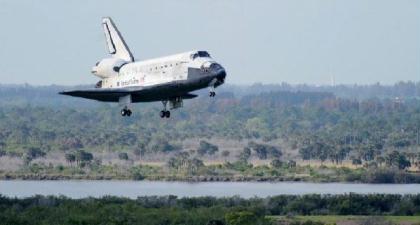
x,y
212,94
162,114
125,112
165,113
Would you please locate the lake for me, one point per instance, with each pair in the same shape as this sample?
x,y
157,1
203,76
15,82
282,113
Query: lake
x,y
133,189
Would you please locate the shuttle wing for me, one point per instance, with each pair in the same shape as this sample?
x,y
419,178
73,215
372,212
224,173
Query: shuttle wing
x,y
100,94
137,94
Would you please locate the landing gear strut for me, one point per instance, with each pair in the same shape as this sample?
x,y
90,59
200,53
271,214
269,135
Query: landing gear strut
x,y
212,92
125,101
125,112
165,113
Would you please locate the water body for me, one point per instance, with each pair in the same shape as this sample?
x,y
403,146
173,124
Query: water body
x,y
133,189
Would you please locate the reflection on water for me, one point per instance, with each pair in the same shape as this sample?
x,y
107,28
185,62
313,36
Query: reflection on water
x,y
132,189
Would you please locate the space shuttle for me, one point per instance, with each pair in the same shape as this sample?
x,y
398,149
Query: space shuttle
x,y
169,79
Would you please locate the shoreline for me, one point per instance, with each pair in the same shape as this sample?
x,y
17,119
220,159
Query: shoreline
x,y
189,179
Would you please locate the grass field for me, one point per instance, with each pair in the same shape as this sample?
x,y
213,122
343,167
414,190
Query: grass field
x,y
351,220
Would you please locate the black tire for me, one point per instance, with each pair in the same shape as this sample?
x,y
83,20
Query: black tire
x,y
168,114
123,112
129,112
162,114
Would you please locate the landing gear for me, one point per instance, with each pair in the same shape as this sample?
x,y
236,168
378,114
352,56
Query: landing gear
x,y
212,91
126,112
165,113
125,101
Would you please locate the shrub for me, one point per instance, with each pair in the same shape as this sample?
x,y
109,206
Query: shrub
x,y
207,148
123,156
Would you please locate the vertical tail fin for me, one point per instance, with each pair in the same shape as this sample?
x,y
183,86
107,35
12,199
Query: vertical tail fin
x,y
116,44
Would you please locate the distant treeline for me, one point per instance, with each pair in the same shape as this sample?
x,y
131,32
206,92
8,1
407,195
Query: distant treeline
x,y
376,133
47,95
401,89
195,211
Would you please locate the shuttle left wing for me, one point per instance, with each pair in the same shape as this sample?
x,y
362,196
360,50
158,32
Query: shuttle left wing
x,y
137,94
102,94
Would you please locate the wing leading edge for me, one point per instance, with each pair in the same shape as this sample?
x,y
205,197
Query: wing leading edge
x,y
105,95
113,95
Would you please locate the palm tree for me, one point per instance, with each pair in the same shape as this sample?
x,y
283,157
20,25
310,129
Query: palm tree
x,y
70,158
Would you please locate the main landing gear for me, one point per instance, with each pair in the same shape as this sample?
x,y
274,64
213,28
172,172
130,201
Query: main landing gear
x,y
125,101
125,112
212,94
165,113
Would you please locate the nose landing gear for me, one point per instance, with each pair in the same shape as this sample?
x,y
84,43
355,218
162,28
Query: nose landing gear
x,y
212,92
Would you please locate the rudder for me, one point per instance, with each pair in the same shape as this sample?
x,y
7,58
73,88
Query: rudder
x,y
115,42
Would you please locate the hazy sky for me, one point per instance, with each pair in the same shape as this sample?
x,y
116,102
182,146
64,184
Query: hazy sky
x,y
295,41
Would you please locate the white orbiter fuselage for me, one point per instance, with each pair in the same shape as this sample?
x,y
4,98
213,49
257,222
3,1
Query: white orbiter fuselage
x,y
167,79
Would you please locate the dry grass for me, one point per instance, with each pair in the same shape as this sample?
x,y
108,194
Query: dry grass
x,y
317,164
10,163
353,220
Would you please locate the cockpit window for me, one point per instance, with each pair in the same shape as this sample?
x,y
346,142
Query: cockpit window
x,y
203,54
97,64
200,54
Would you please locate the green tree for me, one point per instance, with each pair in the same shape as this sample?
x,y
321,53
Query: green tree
x,y
83,157
276,163
380,160
256,127
70,158
207,148
159,144
194,165
356,161
244,155
34,153
140,150
397,160
291,164
123,156
225,153
242,218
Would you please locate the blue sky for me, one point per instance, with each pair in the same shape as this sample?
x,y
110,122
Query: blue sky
x,y
295,41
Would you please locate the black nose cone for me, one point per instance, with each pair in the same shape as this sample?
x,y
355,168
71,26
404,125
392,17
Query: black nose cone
x,y
221,75
218,72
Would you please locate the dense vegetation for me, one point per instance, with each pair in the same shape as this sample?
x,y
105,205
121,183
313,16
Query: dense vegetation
x,y
379,131
195,211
